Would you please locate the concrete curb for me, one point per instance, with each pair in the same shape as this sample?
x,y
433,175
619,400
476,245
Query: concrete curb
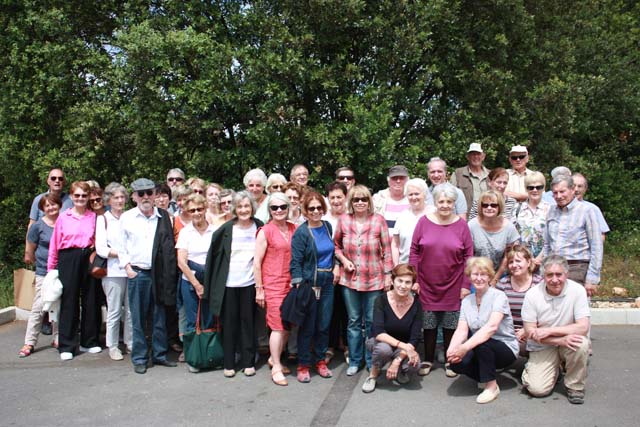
x,y
7,315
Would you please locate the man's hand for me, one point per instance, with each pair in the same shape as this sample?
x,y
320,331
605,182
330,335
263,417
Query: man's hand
x,y
591,289
572,341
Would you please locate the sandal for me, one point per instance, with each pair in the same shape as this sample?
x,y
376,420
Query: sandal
x,y
278,378
328,356
25,351
285,370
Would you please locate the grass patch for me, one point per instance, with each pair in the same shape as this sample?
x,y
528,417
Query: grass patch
x,y
621,266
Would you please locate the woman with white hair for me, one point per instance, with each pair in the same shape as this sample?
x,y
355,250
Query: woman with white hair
x,y
415,190
255,182
275,183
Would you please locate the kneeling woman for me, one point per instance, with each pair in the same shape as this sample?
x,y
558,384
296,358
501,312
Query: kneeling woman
x,y
484,339
396,330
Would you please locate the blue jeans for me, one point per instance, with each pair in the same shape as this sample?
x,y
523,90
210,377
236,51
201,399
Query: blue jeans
x,y
359,307
141,301
316,325
190,305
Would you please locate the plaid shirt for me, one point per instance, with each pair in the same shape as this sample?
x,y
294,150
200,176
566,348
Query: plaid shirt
x,y
369,250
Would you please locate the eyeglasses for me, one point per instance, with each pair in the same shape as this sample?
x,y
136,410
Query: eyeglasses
x,y
81,196
360,199
489,205
141,193
346,178
277,186
96,200
225,202
194,210
535,187
398,178
57,178
315,208
175,179
275,208
518,157
198,191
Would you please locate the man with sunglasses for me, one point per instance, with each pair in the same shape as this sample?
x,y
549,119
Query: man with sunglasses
x,y
149,258
175,177
518,157
346,176
56,181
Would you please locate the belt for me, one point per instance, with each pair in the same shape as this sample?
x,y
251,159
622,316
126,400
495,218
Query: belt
x,y
577,261
328,270
139,270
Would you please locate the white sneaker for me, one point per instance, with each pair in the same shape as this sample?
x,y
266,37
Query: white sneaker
x,y
92,350
193,369
115,354
66,355
488,395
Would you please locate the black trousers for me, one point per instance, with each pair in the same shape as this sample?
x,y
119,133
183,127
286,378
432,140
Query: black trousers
x,y
79,302
481,363
238,311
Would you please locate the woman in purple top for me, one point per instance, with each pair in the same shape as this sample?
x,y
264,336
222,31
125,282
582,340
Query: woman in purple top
x,y
440,248
69,250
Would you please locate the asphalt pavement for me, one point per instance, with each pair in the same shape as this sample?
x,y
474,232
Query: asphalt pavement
x,y
92,390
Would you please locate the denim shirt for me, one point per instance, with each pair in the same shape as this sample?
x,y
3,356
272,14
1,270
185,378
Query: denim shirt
x,y
304,261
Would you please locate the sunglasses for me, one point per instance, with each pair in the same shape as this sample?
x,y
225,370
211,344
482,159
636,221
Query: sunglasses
x,y
96,200
198,191
57,178
80,196
535,187
194,210
360,199
225,202
175,178
277,186
315,208
345,178
141,193
275,208
519,157
489,205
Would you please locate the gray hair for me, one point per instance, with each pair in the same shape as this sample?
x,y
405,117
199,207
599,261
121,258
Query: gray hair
x,y
273,178
437,159
255,174
111,189
279,196
444,189
176,170
240,196
418,183
560,170
554,260
181,190
562,178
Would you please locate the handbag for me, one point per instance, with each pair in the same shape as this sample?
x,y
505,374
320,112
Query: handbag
x,y
97,265
203,347
24,285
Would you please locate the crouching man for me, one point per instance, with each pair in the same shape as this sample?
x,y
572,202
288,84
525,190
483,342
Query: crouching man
x,y
556,320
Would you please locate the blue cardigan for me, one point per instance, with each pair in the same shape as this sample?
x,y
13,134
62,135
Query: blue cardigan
x,y
304,255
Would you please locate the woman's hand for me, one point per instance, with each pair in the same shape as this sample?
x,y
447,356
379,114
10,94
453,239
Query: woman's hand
x,y
260,296
456,354
464,292
414,358
522,337
392,370
336,274
349,266
199,289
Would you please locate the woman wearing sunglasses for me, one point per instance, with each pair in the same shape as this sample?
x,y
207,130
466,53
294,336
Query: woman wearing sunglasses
x,y
498,179
363,247
312,261
69,250
531,216
271,271
492,233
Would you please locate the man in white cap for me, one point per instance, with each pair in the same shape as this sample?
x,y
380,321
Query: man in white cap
x,y
518,157
149,258
472,179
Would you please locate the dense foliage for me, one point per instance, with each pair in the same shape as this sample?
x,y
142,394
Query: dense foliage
x,y
118,89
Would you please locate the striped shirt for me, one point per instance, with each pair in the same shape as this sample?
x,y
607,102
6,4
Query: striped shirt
x,y
243,248
573,232
516,298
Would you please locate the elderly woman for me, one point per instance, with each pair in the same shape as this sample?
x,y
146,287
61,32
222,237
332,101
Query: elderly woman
x,y
96,202
397,324
484,339
363,247
440,247
498,179
37,248
212,194
69,250
226,199
198,185
531,215
295,192
271,271
255,182
230,285
492,233
312,262
415,190
163,197
275,183
521,265
193,244
109,241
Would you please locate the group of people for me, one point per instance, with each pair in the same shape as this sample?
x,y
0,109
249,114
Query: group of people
x,y
482,263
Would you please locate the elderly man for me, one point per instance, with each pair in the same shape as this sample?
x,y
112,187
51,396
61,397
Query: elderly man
x,y
175,177
518,157
346,176
582,185
391,201
437,172
558,170
299,175
56,182
149,258
572,232
556,320
473,178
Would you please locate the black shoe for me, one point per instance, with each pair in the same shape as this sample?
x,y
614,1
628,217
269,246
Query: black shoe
x,y
46,328
167,363
140,369
176,347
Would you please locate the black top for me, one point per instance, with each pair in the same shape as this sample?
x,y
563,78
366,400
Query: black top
x,y
408,329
